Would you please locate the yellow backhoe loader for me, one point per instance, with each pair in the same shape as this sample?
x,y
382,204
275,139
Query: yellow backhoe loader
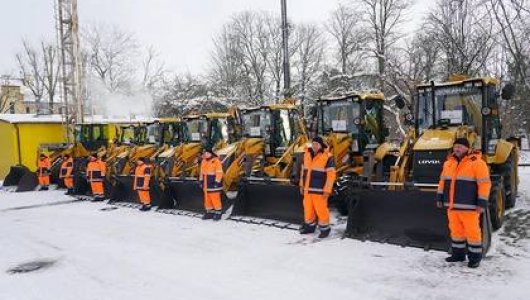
x,y
402,209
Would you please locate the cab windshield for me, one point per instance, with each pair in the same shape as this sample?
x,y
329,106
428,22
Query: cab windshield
x,y
153,133
454,105
218,130
257,123
133,135
90,133
171,133
339,116
196,129
286,131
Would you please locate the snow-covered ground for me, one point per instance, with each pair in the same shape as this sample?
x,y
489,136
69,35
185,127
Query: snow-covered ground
x,y
125,254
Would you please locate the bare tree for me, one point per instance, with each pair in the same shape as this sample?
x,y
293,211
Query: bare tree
x,y
465,33
225,72
30,69
309,56
344,26
383,20
153,69
112,56
50,74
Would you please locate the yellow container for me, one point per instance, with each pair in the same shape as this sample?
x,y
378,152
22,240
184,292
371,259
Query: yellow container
x,y
21,136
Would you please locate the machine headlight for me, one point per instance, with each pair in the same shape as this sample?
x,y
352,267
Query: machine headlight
x,y
486,111
492,146
355,146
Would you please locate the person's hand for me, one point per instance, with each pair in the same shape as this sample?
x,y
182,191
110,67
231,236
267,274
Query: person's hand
x,y
480,209
301,190
326,195
439,204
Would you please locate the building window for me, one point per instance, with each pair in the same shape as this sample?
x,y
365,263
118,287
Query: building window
x,y
27,110
12,108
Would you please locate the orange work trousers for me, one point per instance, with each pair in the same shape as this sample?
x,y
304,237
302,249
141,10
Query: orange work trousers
x,y
97,188
464,225
145,197
68,182
316,207
44,180
212,201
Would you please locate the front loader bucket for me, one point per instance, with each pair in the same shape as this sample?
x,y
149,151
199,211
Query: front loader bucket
x,y
122,191
269,200
405,218
188,195
14,175
21,177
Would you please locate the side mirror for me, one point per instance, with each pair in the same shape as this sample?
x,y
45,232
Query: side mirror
x,y
399,100
409,119
508,91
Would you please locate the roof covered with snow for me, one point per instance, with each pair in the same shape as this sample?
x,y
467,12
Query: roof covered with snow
x,y
33,118
30,118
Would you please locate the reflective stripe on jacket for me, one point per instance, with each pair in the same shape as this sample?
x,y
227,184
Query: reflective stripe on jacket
x,y
211,175
44,167
66,168
96,171
142,177
318,172
465,184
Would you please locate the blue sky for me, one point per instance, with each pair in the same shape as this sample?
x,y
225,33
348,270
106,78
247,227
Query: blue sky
x,y
181,30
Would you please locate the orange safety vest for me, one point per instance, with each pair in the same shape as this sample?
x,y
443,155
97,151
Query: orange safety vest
x,y
211,175
318,172
142,177
464,184
96,171
66,168
44,167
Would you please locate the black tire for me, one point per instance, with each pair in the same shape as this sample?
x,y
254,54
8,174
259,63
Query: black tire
x,y
509,172
344,195
497,206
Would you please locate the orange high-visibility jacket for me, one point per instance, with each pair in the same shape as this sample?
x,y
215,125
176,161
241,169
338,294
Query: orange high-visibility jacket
x,y
96,171
142,177
44,167
66,168
318,172
465,184
211,175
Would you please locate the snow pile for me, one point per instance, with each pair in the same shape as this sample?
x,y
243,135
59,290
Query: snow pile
x,y
126,254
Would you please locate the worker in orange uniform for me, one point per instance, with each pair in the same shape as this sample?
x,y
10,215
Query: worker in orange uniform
x,y
66,173
96,170
316,185
43,172
210,178
142,179
464,188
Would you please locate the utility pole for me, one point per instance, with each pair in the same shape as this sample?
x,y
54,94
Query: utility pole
x,y
285,44
72,75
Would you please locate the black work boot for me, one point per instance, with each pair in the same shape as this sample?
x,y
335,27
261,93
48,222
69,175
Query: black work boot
x,y
324,231
44,188
69,192
307,228
458,252
217,215
145,207
98,198
474,255
207,216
